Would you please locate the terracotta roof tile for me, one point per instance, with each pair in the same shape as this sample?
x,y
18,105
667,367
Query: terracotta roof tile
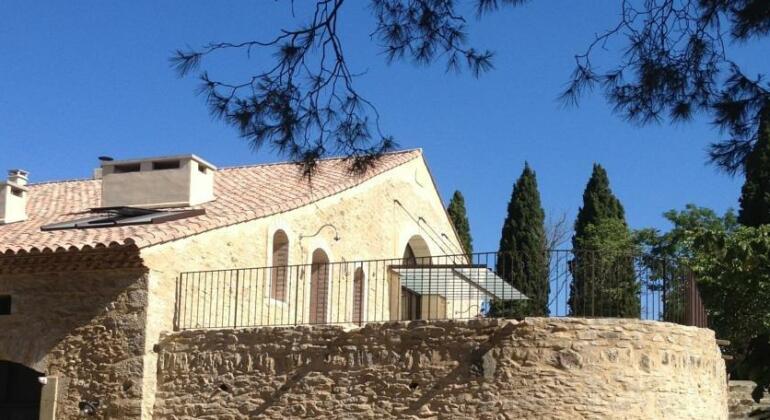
x,y
242,194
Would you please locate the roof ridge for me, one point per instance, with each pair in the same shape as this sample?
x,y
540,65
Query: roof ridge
x,y
61,181
226,168
325,159
326,193
58,198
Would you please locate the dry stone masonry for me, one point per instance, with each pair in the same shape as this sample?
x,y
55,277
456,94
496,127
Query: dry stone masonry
x,y
742,404
487,369
83,324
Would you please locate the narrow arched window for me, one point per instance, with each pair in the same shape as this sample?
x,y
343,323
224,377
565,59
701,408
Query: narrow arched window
x,y
280,266
319,284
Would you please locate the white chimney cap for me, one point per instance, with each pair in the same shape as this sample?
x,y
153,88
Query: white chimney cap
x,y
13,197
18,177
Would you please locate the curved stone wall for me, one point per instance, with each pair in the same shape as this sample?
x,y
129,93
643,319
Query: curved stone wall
x,y
538,368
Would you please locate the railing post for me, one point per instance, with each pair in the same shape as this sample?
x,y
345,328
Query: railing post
x,y
296,295
695,312
235,309
178,304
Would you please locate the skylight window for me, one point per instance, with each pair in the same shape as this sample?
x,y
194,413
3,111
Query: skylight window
x,y
124,216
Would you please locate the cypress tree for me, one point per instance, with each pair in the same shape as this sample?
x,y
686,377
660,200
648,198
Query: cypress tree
x,y
598,203
523,257
603,275
456,211
755,195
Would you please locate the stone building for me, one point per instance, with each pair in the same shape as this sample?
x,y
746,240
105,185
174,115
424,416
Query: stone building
x,y
89,269
153,291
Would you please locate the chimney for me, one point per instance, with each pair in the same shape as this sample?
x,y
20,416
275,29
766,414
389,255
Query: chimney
x,y
162,182
98,171
13,197
19,177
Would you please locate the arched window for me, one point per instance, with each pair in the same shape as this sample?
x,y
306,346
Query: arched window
x,y
319,281
416,254
358,296
280,266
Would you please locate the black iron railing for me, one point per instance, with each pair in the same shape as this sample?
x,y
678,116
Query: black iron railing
x,y
562,283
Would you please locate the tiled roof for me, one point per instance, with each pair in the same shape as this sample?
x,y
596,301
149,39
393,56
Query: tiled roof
x,y
242,194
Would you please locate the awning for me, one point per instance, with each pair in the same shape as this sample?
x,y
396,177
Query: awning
x,y
470,282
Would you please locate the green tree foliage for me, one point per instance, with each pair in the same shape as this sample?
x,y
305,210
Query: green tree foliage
x,y
731,265
598,203
755,195
669,254
734,276
523,257
603,275
677,243
456,211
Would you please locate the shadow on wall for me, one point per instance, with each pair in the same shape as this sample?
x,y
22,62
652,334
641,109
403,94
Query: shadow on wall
x,y
52,312
462,369
85,327
475,364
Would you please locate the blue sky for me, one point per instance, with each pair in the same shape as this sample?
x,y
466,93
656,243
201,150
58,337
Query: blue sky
x,y
80,79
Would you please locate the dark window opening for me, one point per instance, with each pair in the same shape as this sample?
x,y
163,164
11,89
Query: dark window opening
x,y
163,165
19,392
409,257
128,167
202,169
411,305
18,192
123,216
5,304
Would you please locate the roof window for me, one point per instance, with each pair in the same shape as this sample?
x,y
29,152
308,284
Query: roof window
x,y
124,216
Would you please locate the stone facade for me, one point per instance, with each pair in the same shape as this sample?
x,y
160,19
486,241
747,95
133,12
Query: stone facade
x,y
373,220
92,318
95,320
488,369
79,317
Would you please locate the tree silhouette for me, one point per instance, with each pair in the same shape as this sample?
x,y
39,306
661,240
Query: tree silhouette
x,y
755,195
305,103
675,62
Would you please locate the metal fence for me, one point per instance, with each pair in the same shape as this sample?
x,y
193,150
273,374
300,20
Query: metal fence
x,y
561,283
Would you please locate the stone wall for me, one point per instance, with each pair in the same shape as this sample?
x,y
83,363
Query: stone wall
x,y
538,368
79,317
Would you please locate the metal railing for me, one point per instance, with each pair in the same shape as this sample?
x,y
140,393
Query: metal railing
x,y
561,283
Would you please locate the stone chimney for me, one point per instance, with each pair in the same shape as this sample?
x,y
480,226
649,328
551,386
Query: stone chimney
x,y
13,197
162,182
